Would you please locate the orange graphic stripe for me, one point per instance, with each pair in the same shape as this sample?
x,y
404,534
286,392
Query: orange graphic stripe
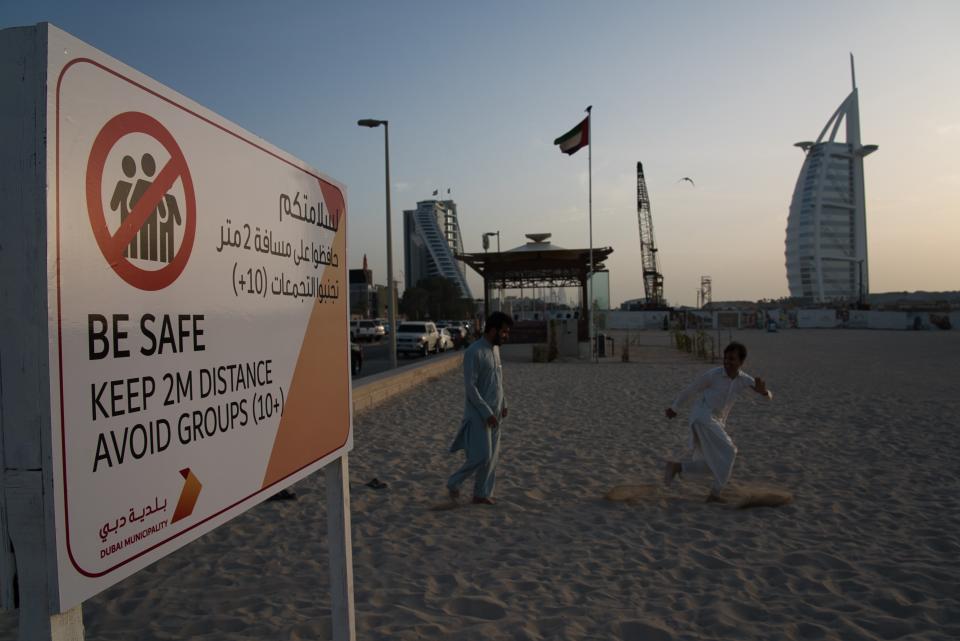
x,y
316,416
188,495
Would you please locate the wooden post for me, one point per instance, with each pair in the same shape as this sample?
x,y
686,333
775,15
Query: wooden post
x,y
26,478
340,550
25,508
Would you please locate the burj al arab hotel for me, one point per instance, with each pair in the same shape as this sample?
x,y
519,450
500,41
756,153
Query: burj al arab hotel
x,y
826,245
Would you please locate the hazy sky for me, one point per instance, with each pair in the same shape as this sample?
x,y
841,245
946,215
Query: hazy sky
x,y
476,93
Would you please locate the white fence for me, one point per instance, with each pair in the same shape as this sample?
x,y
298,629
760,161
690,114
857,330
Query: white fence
x,y
632,320
785,319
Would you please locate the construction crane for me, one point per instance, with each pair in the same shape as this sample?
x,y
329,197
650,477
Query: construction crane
x,y
652,278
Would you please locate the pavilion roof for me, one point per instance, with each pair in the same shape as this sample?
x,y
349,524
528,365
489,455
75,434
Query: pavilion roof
x,y
537,265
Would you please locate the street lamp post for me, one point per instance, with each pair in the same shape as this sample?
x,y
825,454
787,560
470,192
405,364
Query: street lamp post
x,y
391,305
486,244
486,239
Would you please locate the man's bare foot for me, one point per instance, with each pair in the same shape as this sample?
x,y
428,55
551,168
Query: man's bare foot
x,y
715,498
670,470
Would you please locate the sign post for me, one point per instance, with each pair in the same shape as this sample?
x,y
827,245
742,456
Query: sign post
x,y
341,550
175,347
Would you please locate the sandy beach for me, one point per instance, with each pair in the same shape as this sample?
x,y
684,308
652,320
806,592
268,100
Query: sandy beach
x,y
863,432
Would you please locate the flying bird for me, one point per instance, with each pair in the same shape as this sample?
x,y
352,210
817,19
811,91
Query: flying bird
x,y
688,179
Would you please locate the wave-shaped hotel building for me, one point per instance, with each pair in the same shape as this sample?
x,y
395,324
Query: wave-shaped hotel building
x,y
826,244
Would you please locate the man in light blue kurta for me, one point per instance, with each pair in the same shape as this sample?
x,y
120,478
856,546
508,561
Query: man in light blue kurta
x,y
484,410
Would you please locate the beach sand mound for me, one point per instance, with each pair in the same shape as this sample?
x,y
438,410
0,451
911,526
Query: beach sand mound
x,y
632,493
748,496
449,504
738,496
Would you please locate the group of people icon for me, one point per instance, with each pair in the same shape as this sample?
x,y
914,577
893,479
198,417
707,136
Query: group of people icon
x,y
154,240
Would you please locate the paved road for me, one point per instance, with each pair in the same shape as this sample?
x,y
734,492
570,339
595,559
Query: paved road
x,y
376,358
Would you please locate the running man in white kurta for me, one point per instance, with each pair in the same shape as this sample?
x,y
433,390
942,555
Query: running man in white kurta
x,y
711,450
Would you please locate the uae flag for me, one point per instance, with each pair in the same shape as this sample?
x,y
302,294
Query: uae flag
x,y
578,137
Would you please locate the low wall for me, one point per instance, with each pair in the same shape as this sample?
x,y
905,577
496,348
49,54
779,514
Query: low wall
x,y
799,318
817,318
860,319
372,390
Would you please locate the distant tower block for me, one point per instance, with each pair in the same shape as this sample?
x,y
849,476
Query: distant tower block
x,y
433,245
826,240
706,291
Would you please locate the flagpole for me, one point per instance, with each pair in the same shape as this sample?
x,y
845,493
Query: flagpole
x,y
570,143
592,328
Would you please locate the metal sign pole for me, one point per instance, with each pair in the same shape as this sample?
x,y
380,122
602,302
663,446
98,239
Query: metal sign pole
x,y
341,550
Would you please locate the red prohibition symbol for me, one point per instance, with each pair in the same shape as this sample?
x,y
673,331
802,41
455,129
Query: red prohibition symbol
x,y
113,245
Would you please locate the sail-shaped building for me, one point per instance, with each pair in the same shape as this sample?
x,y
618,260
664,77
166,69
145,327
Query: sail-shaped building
x,y
826,243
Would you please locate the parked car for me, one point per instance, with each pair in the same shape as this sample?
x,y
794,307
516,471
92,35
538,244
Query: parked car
x,y
366,330
419,337
446,340
356,358
458,335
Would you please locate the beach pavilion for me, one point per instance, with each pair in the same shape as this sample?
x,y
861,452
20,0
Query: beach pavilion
x,y
538,263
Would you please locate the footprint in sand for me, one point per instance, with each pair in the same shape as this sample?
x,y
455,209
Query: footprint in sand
x,y
446,505
709,562
477,607
631,493
643,631
535,494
